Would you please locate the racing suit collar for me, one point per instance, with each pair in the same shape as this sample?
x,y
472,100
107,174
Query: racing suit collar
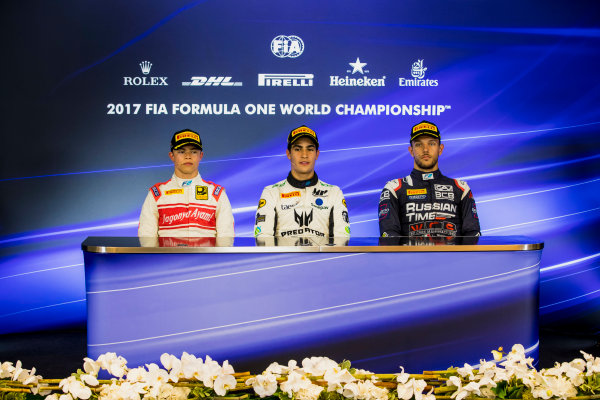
x,y
181,182
425,176
302,184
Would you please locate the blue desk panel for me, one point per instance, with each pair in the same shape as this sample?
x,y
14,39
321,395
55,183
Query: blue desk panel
x,y
416,306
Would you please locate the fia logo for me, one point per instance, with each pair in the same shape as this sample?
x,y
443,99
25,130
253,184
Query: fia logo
x,y
287,46
427,177
303,219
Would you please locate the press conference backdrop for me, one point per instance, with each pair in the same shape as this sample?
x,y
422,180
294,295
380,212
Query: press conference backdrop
x,y
93,91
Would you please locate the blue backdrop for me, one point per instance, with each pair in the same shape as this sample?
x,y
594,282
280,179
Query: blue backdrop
x,y
513,87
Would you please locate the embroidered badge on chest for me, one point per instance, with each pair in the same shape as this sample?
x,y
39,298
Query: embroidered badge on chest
x,y
201,192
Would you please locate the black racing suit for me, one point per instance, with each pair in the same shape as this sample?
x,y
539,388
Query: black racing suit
x,y
427,204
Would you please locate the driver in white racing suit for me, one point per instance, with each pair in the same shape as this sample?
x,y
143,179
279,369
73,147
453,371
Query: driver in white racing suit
x,y
302,205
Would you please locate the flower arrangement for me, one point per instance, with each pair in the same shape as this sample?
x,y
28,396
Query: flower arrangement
x,y
508,376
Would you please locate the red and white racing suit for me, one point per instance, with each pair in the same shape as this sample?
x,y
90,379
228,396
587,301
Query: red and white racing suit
x,y
186,207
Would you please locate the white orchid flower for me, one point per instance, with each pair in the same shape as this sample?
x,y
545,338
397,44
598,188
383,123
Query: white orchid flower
x,y
190,366
317,366
89,379
156,376
75,388
53,396
411,388
6,369
402,376
227,369
264,385
18,370
592,364
578,363
65,397
115,365
294,383
336,377
351,390
429,395
373,392
224,383
466,371
90,366
311,392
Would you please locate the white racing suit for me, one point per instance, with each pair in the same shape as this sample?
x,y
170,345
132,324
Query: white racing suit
x,y
312,208
186,207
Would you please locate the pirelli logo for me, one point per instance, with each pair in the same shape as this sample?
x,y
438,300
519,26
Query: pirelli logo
x,y
187,135
290,194
173,191
412,192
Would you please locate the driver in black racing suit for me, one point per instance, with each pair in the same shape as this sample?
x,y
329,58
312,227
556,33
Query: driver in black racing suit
x,y
427,203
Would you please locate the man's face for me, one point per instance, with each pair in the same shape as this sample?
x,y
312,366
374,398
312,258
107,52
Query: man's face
x,y
302,156
186,160
426,150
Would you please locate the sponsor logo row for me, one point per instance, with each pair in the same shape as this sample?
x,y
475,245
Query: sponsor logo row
x,y
356,76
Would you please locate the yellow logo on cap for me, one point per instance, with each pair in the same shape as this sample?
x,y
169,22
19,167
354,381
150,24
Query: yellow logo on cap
x,y
187,135
411,192
425,126
304,129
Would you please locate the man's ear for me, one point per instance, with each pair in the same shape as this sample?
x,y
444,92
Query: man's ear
x,y
171,156
287,153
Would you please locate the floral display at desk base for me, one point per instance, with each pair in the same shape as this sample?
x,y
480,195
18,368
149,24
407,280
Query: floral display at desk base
x,y
509,376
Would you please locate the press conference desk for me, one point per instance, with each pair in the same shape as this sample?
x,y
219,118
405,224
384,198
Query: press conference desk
x,y
380,303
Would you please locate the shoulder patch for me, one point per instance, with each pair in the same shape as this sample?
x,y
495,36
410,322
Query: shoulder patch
x,y
408,180
155,192
462,185
217,192
395,184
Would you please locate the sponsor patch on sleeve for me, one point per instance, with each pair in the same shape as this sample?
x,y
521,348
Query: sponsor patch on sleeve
x,y
344,203
217,192
261,203
155,192
260,218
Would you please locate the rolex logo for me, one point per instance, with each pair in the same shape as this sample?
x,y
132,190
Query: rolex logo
x,y
145,66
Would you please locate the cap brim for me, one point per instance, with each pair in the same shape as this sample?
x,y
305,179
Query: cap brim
x,y
428,133
183,143
307,135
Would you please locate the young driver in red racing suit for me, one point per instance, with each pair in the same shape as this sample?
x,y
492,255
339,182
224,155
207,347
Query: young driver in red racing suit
x,y
427,203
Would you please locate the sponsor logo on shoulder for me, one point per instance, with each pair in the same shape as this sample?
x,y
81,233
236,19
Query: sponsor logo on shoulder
x,y
385,195
260,218
411,192
261,203
145,80
201,192
173,191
